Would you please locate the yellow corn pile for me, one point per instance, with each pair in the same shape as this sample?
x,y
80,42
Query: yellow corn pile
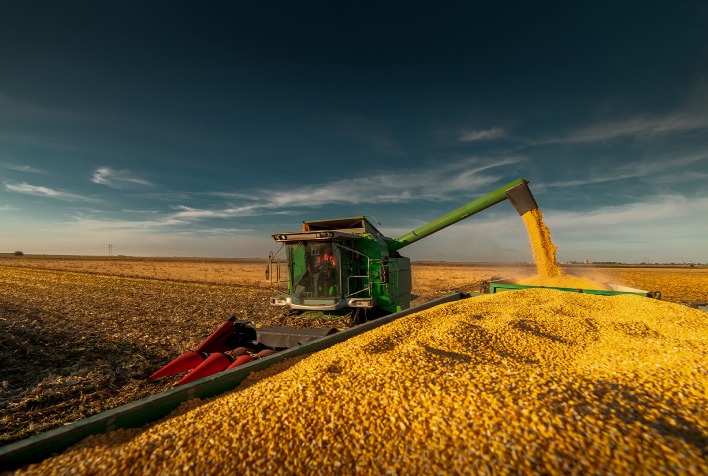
x,y
535,381
563,281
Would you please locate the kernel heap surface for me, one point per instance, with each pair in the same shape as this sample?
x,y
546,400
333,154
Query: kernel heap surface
x,y
522,381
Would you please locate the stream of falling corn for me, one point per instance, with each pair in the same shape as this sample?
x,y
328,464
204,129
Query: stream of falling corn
x,y
538,381
544,255
543,248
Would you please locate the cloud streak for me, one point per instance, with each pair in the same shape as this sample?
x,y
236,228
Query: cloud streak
x,y
45,192
468,176
139,226
657,208
228,212
169,224
639,127
690,117
664,228
428,185
20,168
656,170
118,179
475,135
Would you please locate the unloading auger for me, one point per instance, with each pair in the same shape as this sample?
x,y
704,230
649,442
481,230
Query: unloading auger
x,y
338,265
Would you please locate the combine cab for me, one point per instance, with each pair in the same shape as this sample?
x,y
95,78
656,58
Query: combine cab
x,y
340,264
344,266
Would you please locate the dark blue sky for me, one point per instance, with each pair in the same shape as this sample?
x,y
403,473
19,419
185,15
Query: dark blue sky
x,y
178,128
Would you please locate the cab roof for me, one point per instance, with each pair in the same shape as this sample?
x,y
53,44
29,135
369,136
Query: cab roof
x,y
359,225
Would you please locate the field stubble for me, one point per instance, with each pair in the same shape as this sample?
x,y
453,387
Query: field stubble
x,y
80,336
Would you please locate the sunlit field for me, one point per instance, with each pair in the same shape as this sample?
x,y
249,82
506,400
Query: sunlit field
x,y
81,335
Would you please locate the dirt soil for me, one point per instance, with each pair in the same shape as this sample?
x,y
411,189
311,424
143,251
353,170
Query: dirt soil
x,y
79,336
74,344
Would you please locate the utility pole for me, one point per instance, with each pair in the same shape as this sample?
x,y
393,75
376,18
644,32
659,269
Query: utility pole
x,y
110,250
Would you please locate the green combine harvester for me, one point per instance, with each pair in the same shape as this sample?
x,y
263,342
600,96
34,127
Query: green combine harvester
x,y
348,264
343,266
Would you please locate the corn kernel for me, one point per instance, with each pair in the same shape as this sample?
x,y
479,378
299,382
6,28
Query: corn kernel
x,y
518,381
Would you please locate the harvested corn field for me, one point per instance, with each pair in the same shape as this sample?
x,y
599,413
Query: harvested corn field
x,y
677,284
536,380
77,343
234,271
74,344
80,336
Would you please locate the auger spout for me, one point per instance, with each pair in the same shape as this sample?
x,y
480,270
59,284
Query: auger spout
x,y
517,192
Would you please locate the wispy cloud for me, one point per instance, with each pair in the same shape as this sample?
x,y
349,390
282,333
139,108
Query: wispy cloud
x,y
227,212
469,176
215,231
684,176
20,168
592,179
478,135
690,116
639,127
159,226
119,179
434,184
639,231
660,169
83,224
652,210
45,192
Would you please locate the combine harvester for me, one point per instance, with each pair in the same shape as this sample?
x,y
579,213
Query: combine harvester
x,y
333,266
344,266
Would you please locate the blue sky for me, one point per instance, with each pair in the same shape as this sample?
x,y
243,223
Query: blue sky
x,y
199,129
